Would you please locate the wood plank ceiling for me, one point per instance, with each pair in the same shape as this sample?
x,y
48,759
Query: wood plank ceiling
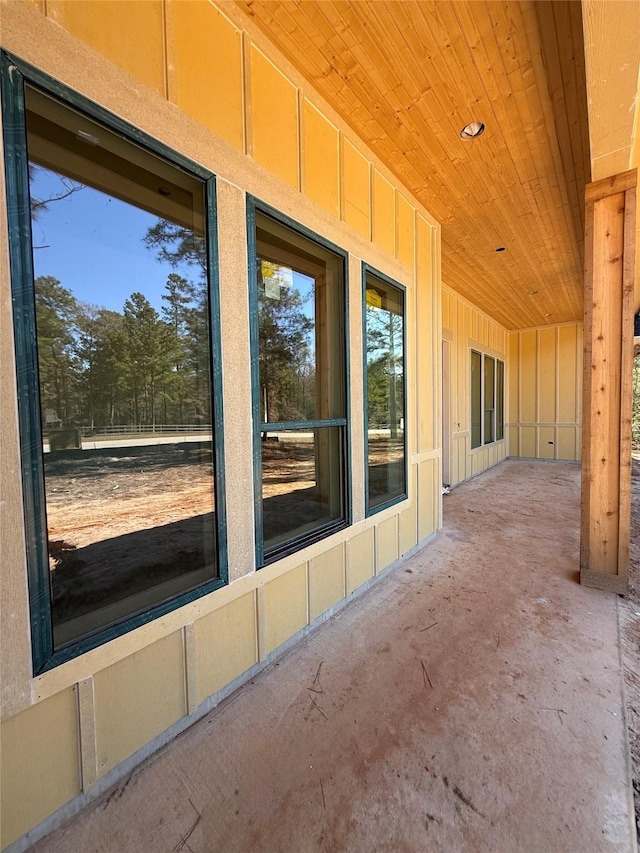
x,y
407,76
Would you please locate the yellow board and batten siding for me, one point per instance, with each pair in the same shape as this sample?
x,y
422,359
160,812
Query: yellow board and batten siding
x,y
137,698
40,763
118,30
241,111
545,381
320,159
465,328
210,86
356,199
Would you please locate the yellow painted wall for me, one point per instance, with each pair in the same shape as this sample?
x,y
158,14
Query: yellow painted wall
x,y
284,609
387,542
273,133
326,581
383,213
40,761
356,199
241,111
115,30
361,565
137,698
210,86
545,382
321,159
238,619
465,327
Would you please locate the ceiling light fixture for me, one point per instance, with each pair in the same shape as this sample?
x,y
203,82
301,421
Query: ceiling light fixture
x,y
532,292
470,131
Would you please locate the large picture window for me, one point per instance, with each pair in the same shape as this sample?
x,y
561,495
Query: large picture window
x,y
487,399
300,399
117,349
386,391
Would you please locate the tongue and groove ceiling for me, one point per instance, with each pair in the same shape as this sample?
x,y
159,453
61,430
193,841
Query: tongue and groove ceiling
x,y
407,76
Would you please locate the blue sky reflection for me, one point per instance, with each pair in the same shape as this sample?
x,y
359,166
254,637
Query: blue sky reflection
x,y
93,243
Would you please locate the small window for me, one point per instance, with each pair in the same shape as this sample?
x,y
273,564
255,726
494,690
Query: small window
x,y
122,482
385,384
299,361
487,399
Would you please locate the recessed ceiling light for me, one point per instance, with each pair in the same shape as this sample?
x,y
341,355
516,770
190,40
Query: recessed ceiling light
x,y
532,292
548,315
470,131
500,249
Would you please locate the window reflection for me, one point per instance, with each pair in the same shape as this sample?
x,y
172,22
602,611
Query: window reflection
x,y
122,314
489,399
384,313
301,394
300,327
286,301
300,474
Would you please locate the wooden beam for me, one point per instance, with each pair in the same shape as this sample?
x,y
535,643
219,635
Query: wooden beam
x,y
608,328
608,186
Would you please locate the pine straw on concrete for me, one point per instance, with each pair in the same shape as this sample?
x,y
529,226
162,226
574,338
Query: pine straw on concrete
x,y
630,640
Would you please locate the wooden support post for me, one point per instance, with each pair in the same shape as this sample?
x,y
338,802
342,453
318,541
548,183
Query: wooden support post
x,y
608,355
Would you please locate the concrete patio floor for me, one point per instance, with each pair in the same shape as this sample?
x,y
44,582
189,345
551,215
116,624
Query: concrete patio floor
x,y
471,701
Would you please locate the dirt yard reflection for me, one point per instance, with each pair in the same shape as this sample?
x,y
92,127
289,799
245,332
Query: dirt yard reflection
x,y
122,520
386,467
292,501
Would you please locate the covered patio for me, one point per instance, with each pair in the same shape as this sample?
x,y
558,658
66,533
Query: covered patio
x,y
434,205
472,701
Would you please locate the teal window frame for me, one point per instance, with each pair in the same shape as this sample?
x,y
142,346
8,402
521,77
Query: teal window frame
x,y
14,74
263,557
489,399
499,400
496,412
476,389
371,271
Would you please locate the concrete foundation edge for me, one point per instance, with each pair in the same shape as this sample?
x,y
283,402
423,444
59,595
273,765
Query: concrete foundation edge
x,y
605,581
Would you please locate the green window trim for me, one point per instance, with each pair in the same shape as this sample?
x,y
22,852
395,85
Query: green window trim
x,y
262,429
372,275
476,399
489,399
14,74
499,400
